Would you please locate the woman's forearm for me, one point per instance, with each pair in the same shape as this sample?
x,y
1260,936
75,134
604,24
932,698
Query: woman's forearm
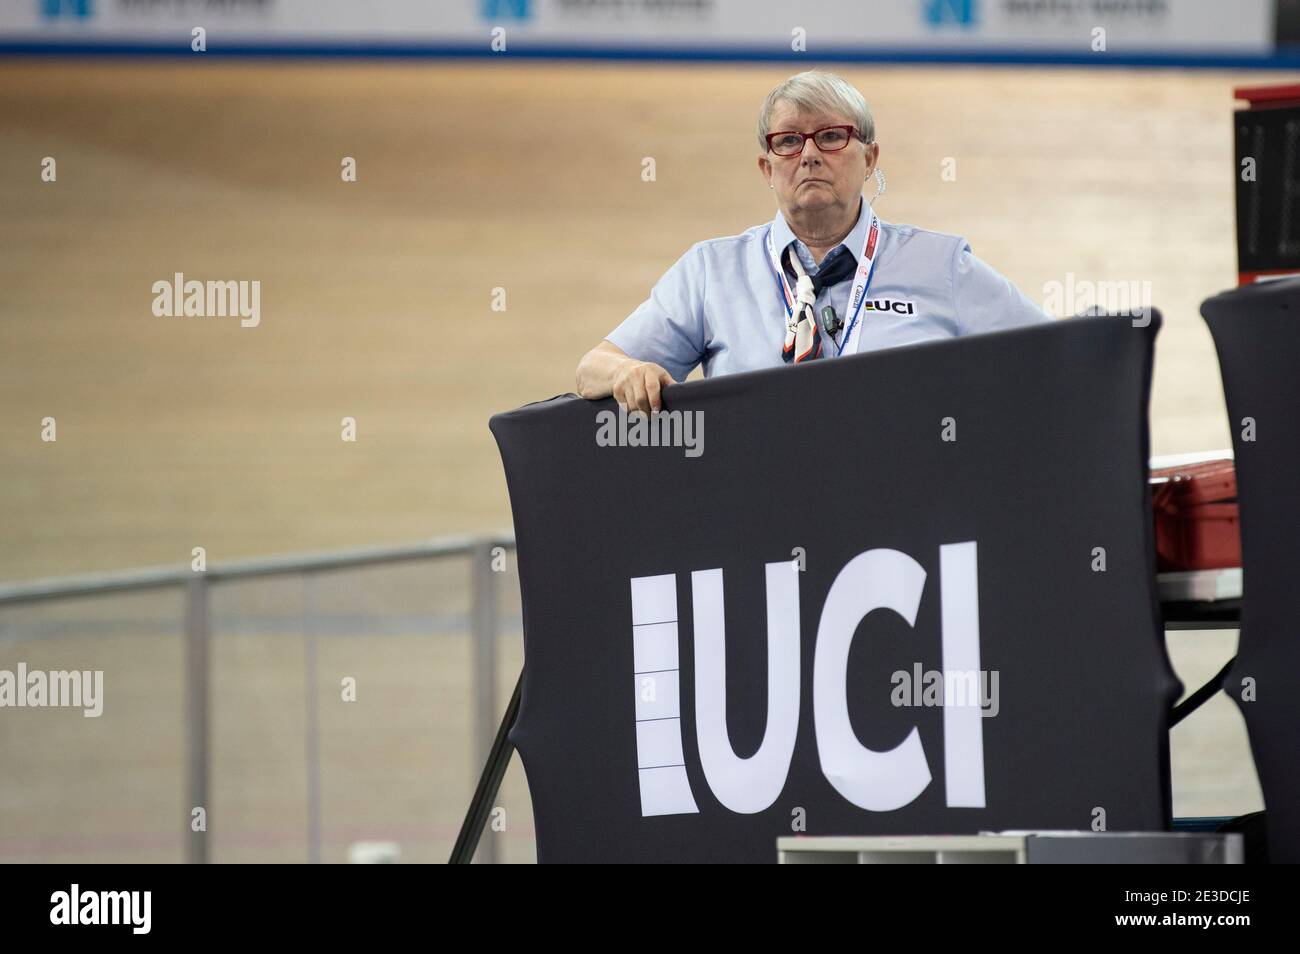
x,y
598,369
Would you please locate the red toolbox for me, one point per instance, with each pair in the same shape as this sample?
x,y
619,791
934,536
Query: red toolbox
x,y
1197,523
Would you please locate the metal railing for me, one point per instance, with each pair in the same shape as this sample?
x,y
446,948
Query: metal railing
x,y
197,584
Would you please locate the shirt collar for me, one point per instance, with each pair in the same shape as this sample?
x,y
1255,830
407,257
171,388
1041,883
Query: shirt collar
x,y
782,236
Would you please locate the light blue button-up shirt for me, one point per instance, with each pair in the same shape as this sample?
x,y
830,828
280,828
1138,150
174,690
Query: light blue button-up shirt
x,y
721,303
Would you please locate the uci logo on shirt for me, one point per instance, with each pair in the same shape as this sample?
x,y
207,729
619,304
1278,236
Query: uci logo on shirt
x,y
889,304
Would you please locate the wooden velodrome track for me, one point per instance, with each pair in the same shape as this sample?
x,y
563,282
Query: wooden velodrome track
x,y
175,433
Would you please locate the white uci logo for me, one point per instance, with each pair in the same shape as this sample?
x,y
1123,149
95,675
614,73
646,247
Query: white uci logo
x,y
872,780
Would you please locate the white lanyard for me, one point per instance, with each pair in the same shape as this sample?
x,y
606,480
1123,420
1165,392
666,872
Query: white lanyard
x,y
861,279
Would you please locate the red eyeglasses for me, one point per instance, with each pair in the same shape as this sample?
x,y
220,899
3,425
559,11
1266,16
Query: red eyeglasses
x,y
828,139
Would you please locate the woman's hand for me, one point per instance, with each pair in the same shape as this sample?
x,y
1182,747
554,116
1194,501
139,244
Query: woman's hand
x,y
637,385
